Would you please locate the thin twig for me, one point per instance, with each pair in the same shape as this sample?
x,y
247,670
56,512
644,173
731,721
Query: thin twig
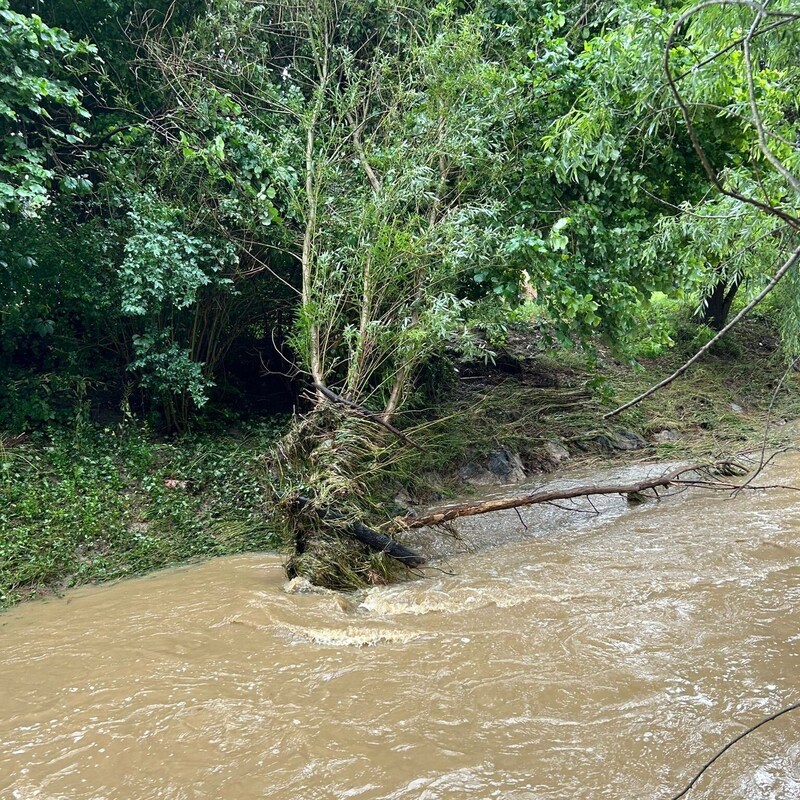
x,y
573,508
762,461
730,744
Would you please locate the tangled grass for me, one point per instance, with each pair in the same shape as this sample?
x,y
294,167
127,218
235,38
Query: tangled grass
x,y
342,462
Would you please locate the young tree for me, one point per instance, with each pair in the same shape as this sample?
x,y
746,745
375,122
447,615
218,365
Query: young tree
x,y
385,124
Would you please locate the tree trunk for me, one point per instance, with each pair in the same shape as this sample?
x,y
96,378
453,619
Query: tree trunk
x,y
717,305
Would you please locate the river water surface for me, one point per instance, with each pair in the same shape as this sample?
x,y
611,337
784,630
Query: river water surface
x,y
592,656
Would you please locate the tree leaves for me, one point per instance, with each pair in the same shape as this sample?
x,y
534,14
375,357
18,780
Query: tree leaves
x,y
37,65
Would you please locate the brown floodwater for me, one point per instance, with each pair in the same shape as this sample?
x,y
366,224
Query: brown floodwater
x,y
592,656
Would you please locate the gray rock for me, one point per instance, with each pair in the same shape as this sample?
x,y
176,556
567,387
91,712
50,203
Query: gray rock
x,y
604,442
476,475
403,499
736,408
621,440
501,467
435,483
506,466
556,451
628,440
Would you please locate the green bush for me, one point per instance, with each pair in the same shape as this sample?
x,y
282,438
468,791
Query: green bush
x,y
90,503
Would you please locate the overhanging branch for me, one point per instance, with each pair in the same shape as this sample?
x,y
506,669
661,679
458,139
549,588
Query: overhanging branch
x,y
776,278
676,477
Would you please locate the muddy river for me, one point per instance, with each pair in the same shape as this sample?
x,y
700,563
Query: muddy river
x,y
592,656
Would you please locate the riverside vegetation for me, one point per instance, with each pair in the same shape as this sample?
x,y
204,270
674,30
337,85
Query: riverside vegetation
x,y
86,502
221,214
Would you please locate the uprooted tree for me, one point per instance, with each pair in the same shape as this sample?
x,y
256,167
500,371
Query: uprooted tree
x,y
406,176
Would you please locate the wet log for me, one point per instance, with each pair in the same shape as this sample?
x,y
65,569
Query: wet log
x,y
539,496
374,540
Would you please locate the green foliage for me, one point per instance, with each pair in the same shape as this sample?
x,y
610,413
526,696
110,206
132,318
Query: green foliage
x,y
54,316
350,193
365,185
660,323
787,309
746,125
90,503
624,164
604,159
165,265
41,108
164,270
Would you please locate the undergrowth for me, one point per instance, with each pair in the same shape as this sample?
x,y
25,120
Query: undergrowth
x,y
90,504
737,397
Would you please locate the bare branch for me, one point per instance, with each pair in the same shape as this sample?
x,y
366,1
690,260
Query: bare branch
x,y
551,496
730,744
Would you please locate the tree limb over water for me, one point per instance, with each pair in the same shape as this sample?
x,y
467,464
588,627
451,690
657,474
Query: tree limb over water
x,y
730,744
776,278
776,207
706,476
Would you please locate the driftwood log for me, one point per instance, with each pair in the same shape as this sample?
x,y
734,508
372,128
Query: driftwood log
x,y
538,496
374,540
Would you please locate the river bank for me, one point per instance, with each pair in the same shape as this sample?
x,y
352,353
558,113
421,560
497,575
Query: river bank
x,y
92,503
540,408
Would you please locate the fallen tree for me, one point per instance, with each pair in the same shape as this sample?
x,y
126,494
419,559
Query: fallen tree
x,y
706,475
